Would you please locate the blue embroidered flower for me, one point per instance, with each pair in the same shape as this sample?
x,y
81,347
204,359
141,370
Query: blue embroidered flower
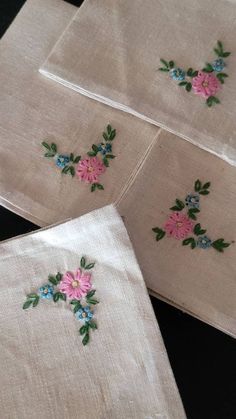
x,y
177,74
84,314
218,65
204,242
104,148
192,201
46,291
62,160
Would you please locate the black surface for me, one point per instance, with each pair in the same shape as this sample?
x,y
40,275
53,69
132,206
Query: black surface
x,y
203,359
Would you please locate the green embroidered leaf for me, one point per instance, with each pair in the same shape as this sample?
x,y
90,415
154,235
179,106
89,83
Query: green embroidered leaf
x,y
99,186
195,73
220,245
188,87
83,329
90,266
52,279
46,145
226,54
53,147
211,100
221,77
49,154
163,69
198,230
71,157
171,64
93,187
62,296
72,171
183,83
59,277
164,62
95,148
220,46
77,159
206,185
92,301
217,52
112,135
82,262
92,324
36,301
208,68
190,72
204,192
105,162
91,293
109,129
27,304
197,185
110,156
179,205
77,305
32,296
190,241
85,339
91,153
159,233
65,169
105,136
192,212
56,296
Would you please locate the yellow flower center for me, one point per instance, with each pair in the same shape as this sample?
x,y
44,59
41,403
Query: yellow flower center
x,y
90,169
84,314
45,291
205,84
179,224
75,283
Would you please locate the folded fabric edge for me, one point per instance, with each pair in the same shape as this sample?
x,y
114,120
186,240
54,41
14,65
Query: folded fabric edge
x,y
129,110
191,313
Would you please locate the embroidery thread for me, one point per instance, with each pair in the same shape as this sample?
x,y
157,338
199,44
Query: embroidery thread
x,y
205,82
89,168
77,287
180,225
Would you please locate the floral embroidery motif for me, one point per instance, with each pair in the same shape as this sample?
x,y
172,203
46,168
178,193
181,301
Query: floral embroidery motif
x,y
89,168
180,225
77,287
203,82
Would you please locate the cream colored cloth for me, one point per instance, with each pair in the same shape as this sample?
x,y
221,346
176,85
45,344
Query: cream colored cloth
x,y
199,281
33,108
112,49
46,372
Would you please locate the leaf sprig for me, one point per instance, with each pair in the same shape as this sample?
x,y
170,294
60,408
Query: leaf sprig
x,y
219,50
168,65
32,299
51,149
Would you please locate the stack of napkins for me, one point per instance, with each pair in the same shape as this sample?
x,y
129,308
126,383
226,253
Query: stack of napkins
x,y
78,334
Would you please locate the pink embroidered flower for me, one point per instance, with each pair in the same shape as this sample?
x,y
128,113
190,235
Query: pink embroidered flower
x,y
89,169
75,286
205,84
178,225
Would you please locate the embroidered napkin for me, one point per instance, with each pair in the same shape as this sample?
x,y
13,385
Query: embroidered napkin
x,y
35,110
121,67
66,355
180,214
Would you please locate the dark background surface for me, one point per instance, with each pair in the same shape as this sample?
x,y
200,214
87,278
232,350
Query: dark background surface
x,y
203,359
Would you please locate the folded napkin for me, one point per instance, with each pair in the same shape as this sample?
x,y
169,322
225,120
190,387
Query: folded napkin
x,y
121,67
35,110
60,364
180,214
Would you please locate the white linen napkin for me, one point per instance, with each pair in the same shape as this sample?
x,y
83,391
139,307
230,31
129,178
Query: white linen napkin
x,y
122,370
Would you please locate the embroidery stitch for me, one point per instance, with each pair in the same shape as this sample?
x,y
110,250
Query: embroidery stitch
x,y
203,82
78,288
89,168
179,225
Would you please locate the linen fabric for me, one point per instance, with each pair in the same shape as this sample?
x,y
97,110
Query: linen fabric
x,y
34,109
121,67
200,281
45,370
